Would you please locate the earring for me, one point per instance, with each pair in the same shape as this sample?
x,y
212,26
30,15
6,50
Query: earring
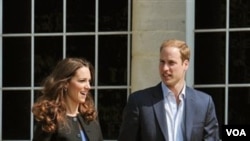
x,y
65,90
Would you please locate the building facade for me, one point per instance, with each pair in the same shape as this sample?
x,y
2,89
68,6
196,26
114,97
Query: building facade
x,y
122,40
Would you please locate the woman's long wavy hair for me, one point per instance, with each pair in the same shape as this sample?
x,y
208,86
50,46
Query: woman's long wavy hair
x,y
50,107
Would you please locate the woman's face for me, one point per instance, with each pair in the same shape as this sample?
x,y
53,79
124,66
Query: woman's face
x,y
79,86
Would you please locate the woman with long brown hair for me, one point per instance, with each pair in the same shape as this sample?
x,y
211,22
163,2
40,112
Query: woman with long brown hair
x,y
65,111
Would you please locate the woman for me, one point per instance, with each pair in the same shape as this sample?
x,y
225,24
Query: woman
x,y
65,111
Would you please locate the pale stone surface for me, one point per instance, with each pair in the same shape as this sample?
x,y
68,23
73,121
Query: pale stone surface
x,y
145,72
153,22
158,15
147,43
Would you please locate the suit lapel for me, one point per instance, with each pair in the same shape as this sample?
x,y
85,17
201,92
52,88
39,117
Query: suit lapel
x,y
160,110
189,112
84,126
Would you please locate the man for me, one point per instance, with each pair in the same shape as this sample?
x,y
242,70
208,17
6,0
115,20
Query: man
x,y
170,111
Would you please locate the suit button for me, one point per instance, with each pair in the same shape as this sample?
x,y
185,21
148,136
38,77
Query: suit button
x,y
79,135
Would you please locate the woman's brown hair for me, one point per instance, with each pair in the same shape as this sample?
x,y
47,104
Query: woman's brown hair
x,y
50,108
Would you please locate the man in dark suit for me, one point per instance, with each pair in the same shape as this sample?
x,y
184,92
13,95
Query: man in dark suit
x,y
170,111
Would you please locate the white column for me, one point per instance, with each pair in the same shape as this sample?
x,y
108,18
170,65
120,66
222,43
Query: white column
x,y
153,22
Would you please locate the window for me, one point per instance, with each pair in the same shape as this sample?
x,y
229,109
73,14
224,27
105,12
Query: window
x,y
221,57
36,34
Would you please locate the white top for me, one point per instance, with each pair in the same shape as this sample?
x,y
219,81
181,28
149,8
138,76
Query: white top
x,y
174,114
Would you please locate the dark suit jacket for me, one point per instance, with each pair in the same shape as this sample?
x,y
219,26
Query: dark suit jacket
x,y
144,117
92,130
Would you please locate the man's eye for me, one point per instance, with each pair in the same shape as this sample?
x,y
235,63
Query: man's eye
x,y
171,63
83,80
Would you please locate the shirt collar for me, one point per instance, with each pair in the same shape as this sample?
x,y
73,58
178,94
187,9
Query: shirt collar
x,y
166,90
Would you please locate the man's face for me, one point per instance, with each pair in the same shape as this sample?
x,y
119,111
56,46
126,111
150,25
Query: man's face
x,y
172,69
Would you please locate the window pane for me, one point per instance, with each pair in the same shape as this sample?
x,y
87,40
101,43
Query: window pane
x,y
48,15
16,16
16,115
209,58
110,107
239,65
113,15
239,103
80,15
112,60
48,51
239,13
81,46
16,61
210,14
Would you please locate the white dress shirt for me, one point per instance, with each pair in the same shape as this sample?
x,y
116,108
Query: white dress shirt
x,y
174,114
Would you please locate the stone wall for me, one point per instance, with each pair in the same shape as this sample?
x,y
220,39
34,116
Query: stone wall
x,y
153,22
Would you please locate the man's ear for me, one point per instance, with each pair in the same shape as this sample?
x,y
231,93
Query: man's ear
x,y
186,64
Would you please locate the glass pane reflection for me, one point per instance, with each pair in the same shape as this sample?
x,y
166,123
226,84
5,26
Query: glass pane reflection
x,y
16,61
110,107
239,101
81,46
80,15
112,60
16,16
239,13
48,16
209,58
239,64
16,115
210,14
113,15
48,51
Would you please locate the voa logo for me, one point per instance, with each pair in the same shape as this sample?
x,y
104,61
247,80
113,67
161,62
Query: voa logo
x,y
236,132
